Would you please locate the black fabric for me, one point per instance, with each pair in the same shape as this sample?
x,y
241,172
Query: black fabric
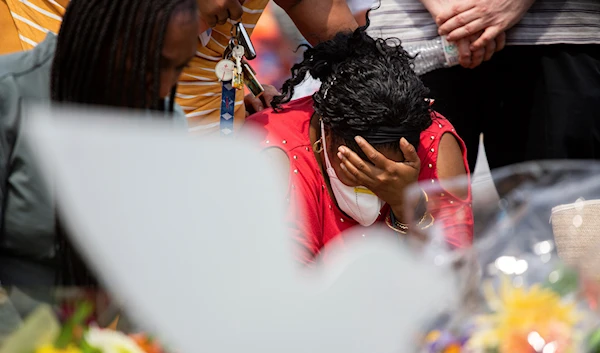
x,y
72,270
531,103
386,134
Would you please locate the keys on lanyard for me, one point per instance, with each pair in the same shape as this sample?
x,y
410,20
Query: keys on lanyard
x,y
234,67
238,75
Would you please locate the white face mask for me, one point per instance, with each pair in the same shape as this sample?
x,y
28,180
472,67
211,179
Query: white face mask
x,y
358,202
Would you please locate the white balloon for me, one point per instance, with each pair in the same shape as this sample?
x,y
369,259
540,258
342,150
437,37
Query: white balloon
x,y
189,233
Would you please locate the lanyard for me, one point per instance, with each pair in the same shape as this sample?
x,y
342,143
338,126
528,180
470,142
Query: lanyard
x,y
227,108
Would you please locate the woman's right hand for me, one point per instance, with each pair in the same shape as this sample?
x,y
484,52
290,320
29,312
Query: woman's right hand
x,y
386,178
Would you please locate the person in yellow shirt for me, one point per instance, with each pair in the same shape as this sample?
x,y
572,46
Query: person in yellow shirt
x,y
199,92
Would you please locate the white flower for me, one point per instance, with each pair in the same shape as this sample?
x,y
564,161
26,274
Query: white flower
x,y
108,341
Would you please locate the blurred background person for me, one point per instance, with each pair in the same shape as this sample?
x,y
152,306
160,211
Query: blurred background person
x,y
338,180
541,91
102,56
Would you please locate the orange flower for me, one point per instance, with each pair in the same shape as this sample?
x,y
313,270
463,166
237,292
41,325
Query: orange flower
x,y
147,344
516,342
557,334
453,348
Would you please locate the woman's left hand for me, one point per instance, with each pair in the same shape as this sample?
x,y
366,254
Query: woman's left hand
x,y
386,178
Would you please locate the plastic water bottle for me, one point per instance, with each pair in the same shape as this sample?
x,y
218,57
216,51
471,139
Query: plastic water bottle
x,y
433,54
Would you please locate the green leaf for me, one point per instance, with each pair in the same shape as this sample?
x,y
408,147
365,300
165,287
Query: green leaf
x,y
594,342
568,281
83,311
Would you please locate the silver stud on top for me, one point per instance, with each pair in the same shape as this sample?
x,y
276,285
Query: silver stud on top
x,y
329,206
267,141
430,165
295,157
307,148
296,171
432,150
433,181
433,137
440,125
342,220
284,142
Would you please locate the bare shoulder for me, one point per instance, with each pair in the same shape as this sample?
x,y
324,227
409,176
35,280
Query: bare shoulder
x,y
450,165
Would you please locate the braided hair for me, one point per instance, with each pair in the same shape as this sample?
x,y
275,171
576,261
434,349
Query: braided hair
x,y
108,52
366,83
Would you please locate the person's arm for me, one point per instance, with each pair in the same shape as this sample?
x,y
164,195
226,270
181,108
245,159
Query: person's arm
x,y
435,7
451,165
319,20
472,16
456,215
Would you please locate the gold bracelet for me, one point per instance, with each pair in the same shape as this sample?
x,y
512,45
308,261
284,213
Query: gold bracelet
x,y
432,219
388,221
425,194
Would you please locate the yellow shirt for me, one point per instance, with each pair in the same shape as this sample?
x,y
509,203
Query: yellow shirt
x,y
199,91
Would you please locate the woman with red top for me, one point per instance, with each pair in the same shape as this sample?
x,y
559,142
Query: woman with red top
x,y
351,149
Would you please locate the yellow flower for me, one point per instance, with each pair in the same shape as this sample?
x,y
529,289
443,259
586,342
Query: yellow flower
x,y
519,312
50,349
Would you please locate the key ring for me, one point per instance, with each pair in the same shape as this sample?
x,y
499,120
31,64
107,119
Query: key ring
x,y
233,28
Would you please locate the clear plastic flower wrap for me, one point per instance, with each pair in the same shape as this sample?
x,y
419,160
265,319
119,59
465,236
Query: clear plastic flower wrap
x,y
529,282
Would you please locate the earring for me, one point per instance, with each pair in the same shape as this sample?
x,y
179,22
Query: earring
x,y
318,146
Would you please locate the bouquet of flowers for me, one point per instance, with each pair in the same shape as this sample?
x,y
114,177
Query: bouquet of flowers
x,y
42,333
519,295
519,319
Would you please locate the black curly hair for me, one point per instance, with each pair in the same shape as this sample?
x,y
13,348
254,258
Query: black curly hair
x,y
367,84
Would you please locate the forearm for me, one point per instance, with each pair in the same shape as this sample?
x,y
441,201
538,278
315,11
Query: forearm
x,y
435,6
319,20
412,207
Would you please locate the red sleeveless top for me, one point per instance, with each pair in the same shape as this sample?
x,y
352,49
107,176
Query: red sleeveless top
x,y
313,217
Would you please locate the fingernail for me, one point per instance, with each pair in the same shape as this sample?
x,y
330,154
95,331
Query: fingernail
x,y
343,166
358,139
260,107
403,141
341,149
340,155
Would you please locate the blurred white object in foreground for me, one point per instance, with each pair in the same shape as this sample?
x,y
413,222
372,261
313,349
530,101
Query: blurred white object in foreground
x,y
483,188
188,234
